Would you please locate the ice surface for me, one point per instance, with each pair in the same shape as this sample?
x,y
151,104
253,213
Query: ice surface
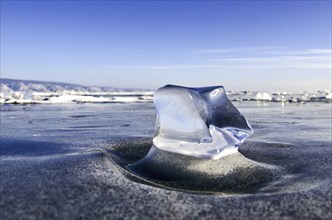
x,y
198,122
47,158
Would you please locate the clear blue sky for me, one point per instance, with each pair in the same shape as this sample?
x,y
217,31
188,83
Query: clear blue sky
x,y
256,45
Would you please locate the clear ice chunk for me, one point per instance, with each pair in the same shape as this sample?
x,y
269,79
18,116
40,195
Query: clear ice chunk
x,y
198,122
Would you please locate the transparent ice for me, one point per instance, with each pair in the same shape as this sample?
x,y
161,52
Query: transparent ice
x,y
198,122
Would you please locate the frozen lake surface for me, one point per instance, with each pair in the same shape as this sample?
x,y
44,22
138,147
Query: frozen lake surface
x,y
55,164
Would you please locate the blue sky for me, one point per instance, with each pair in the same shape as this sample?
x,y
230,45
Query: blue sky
x,y
256,45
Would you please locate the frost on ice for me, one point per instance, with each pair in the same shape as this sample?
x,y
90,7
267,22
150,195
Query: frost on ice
x,y
198,122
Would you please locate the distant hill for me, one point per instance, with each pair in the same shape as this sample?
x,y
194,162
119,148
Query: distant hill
x,y
8,85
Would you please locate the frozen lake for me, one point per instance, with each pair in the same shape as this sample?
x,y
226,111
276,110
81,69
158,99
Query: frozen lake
x,y
54,164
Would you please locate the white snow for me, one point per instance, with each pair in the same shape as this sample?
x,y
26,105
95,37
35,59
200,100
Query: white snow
x,y
262,96
25,92
34,92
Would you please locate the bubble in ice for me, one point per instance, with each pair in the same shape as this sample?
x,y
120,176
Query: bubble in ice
x,y
198,122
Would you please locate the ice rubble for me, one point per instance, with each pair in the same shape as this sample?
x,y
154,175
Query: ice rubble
x,y
30,92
